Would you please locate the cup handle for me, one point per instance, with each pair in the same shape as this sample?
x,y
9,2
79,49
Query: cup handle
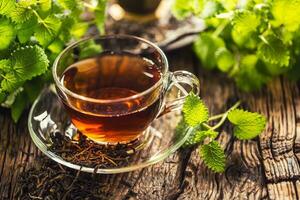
x,y
180,79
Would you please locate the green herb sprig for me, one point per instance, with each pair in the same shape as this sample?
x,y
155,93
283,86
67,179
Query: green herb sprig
x,y
246,125
33,33
252,40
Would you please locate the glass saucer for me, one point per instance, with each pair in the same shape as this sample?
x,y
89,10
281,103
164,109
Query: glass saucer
x,y
47,116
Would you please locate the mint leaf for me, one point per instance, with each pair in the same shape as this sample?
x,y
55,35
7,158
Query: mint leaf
x,y
29,61
194,110
7,33
33,88
200,136
5,66
69,4
245,22
6,6
45,6
225,59
56,46
205,48
247,125
11,81
2,96
100,12
25,30
18,106
79,29
26,63
182,8
286,12
272,50
22,11
66,30
248,41
213,156
47,30
247,75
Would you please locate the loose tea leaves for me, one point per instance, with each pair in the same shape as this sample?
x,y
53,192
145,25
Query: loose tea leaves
x,y
85,152
50,181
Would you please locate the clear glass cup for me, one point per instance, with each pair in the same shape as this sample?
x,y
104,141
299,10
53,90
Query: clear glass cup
x,y
104,120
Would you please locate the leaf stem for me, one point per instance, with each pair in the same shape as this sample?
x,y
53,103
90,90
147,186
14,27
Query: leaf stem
x,y
220,28
264,39
207,126
224,117
216,117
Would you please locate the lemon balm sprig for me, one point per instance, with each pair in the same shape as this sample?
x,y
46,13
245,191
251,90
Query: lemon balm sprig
x,y
246,125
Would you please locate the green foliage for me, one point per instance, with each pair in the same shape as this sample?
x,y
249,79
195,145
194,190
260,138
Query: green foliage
x,y
239,33
213,156
7,33
206,47
33,33
24,64
246,125
272,50
286,13
6,6
194,110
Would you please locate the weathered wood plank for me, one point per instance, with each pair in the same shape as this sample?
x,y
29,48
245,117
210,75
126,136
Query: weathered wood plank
x,y
276,144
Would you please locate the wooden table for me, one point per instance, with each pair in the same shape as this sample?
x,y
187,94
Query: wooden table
x,y
264,168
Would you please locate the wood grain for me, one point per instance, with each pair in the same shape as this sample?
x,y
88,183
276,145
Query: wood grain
x,y
263,168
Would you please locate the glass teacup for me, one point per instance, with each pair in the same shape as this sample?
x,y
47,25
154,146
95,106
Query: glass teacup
x,y
114,86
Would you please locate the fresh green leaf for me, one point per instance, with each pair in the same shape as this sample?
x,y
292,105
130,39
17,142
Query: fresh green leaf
x,y
79,29
45,7
225,59
22,11
213,156
33,88
194,110
29,61
69,4
286,12
47,30
205,48
245,22
2,96
5,65
229,4
6,6
18,106
200,136
100,13
25,30
26,63
272,50
182,8
247,125
11,82
248,41
7,33
66,30
247,76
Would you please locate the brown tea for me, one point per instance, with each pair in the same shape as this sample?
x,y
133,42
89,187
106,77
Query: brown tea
x,y
108,79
